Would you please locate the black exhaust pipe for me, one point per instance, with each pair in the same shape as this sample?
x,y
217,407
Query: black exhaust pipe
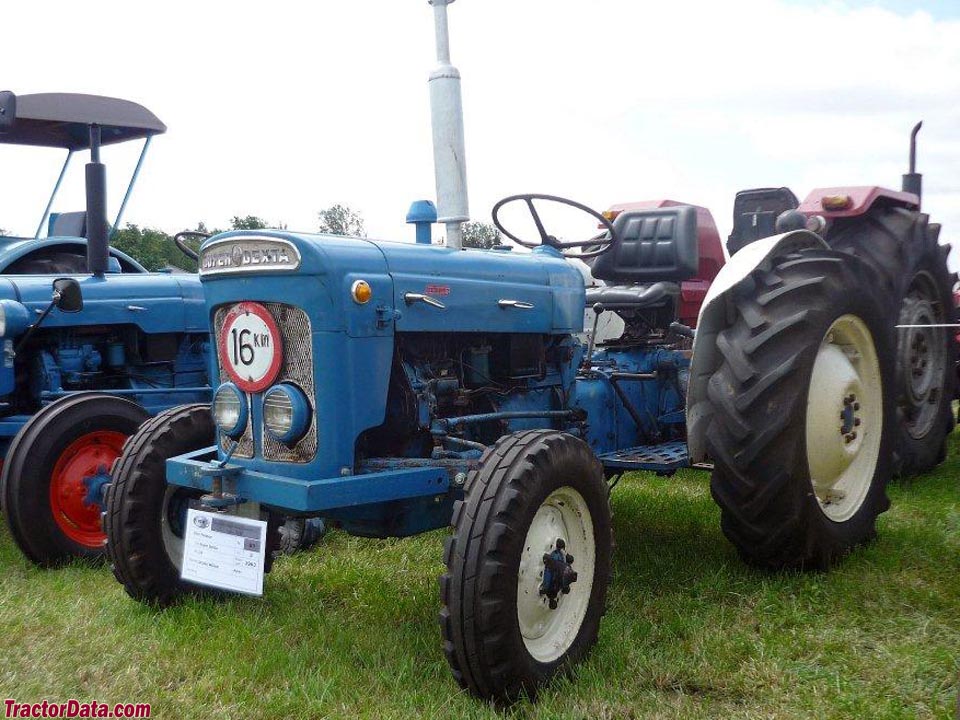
x,y
98,230
913,181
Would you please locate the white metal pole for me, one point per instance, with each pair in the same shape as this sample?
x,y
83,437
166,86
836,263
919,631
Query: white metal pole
x,y
446,107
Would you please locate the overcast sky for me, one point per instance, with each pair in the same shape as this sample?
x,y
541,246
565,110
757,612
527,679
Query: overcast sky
x,y
280,108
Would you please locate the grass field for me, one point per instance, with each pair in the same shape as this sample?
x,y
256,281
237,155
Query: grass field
x,y
349,630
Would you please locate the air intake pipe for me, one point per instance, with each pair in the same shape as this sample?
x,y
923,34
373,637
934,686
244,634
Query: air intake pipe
x,y
446,109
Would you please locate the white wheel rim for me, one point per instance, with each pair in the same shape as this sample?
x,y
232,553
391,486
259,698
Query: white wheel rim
x,y
548,634
844,418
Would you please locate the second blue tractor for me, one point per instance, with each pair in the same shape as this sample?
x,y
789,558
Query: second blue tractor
x,y
92,343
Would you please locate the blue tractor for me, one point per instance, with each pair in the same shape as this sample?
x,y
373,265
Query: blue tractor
x,y
396,388
93,344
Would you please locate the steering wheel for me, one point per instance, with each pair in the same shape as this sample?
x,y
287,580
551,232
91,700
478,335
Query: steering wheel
x,y
600,243
178,240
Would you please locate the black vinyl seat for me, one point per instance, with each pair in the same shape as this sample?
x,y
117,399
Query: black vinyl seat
x,y
654,251
634,297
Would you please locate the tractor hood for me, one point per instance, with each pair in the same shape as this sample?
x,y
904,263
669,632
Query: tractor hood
x,y
156,303
339,344
426,288
484,290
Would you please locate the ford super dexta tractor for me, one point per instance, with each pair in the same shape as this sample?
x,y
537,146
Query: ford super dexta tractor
x,y
92,343
396,388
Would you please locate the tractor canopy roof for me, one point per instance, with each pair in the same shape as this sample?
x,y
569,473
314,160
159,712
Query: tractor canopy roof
x,y
63,120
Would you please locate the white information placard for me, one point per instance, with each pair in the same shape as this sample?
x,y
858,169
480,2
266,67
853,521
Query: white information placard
x,y
224,551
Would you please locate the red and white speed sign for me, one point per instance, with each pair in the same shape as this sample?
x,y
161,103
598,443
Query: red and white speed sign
x,y
250,347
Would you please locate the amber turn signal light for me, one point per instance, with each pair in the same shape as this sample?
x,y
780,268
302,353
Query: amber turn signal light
x,y
836,202
361,292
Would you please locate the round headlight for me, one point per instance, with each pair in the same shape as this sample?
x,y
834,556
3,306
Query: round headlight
x,y
230,410
286,413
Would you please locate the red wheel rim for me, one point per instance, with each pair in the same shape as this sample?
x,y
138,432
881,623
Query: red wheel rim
x,y
86,457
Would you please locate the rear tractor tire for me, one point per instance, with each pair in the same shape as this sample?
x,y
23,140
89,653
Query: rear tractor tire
x,y
144,516
801,417
902,246
527,565
56,471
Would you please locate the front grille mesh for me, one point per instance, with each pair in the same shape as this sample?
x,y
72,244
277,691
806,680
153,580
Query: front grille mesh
x,y
297,368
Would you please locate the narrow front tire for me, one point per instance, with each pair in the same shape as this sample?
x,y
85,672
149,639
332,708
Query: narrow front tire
x,y
538,504
144,515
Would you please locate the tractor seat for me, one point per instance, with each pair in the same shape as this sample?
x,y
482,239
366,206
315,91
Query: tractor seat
x,y
634,297
68,224
654,251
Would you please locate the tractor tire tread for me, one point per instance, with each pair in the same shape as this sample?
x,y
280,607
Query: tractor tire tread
x,y
40,544
128,550
474,620
757,394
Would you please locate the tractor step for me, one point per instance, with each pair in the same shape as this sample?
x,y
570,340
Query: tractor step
x,y
665,457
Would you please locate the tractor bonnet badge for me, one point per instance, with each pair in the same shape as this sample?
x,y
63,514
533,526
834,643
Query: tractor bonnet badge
x,y
248,254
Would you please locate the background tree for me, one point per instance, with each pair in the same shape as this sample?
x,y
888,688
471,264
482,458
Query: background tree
x,y
3,232
341,220
250,222
152,248
247,222
480,235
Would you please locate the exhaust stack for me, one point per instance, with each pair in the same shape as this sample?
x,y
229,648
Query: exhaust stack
x,y
913,181
446,108
98,242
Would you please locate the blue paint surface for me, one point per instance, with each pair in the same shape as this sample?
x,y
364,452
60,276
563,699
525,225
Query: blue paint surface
x,y
462,303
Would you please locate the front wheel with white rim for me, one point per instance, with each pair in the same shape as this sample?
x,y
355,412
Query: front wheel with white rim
x,y
528,565
144,516
802,415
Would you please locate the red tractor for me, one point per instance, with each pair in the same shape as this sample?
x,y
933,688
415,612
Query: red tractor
x,y
887,229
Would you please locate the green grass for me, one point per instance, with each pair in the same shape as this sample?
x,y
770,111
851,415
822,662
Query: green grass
x,y
349,630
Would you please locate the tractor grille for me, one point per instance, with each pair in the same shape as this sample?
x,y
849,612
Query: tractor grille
x,y
297,368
